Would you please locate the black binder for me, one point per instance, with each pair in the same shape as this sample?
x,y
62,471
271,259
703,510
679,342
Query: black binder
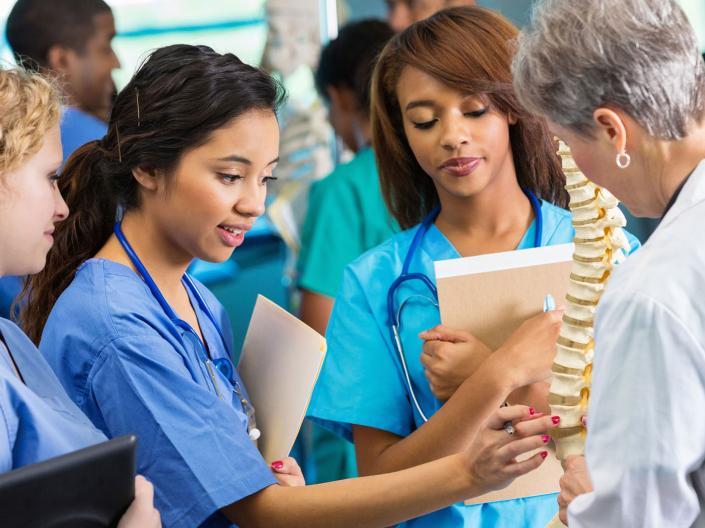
x,y
89,488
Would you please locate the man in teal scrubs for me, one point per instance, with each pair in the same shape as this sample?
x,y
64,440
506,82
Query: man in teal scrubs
x,y
346,214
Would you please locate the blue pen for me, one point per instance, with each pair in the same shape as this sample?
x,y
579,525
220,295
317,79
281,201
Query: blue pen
x,y
549,303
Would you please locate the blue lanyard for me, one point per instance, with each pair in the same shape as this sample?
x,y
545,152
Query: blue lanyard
x,y
224,365
418,239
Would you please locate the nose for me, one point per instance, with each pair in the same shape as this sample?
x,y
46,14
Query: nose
x,y
115,62
454,133
251,202
61,210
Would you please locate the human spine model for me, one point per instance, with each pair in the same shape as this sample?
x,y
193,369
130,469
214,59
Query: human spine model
x,y
600,243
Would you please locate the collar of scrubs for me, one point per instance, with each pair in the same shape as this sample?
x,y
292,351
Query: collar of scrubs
x,y
440,248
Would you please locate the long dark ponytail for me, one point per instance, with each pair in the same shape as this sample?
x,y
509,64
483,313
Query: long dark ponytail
x,y
177,98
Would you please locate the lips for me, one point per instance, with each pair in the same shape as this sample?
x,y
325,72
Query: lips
x,y
232,235
460,166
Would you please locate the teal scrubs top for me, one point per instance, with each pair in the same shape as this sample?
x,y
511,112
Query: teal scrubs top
x,y
130,369
361,383
346,217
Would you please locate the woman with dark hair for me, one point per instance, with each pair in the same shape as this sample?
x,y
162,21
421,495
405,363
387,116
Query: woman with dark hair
x,y
141,347
466,170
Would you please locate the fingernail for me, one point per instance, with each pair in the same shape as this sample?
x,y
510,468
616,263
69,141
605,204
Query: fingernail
x,y
277,465
584,420
544,454
545,439
532,411
556,420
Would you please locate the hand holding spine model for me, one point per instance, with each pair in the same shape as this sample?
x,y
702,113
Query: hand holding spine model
x,y
600,243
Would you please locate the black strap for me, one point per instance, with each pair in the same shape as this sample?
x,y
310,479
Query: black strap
x,y
675,196
12,358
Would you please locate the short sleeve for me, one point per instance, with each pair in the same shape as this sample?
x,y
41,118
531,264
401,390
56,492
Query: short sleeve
x,y
360,384
192,445
332,236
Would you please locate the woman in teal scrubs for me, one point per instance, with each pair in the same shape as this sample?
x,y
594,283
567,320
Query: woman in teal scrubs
x,y
454,148
142,347
37,419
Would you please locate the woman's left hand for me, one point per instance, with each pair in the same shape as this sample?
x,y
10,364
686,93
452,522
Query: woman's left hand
x,y
287,472
575,481
450,357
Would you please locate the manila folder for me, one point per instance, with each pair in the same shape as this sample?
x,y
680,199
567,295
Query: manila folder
x,y
490,296
280,362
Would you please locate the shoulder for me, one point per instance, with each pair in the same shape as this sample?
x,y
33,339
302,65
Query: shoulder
x,y
105,300
13,333
387,256
670,269
357,174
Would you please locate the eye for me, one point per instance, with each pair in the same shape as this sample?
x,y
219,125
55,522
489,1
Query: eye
x,y
268,179
228,178
425,125
477,113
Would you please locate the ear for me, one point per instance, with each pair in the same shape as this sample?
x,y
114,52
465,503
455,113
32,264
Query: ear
x,y
60,59
148,179
343,98
511,119
611,127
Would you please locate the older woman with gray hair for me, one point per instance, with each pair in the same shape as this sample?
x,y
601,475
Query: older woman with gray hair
x,y
623,83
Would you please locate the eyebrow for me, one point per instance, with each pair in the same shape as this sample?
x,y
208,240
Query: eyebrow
x,y
417,104
239,159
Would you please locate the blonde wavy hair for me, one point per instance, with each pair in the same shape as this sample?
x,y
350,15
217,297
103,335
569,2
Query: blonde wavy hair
x,y
30,105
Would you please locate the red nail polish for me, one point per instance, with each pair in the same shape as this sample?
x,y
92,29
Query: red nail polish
x,y
546,439
556,420
544,454
277,465
532,411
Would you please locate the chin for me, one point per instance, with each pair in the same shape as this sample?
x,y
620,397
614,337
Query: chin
x,y
215,257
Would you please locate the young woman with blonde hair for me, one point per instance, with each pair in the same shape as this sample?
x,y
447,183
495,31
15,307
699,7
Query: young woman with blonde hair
x,y
39,420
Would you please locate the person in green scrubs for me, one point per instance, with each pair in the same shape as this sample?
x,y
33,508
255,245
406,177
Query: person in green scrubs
x,y
346,213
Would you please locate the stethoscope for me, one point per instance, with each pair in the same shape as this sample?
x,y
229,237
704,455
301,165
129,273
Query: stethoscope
x,y
394,313
221,364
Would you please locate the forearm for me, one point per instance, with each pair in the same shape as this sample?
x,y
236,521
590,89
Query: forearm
x,y
315,310
375,501
449,431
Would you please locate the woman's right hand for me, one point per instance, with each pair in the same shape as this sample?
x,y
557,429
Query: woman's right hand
x,y
528,354
492,455
141,513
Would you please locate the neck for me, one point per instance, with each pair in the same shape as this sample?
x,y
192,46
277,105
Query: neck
x,y
677,160
362,130
165,261
494,219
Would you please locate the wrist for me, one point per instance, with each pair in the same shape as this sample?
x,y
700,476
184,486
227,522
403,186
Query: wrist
x,y
500,369
467,486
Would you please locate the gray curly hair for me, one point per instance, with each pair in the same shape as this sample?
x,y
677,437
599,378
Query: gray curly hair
x,y
637,55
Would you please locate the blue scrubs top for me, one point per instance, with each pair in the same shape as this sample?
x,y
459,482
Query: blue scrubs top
x,y
360,382
77,128
131,370
38,421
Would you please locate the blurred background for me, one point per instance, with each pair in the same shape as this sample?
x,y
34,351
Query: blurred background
x,y
285,37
